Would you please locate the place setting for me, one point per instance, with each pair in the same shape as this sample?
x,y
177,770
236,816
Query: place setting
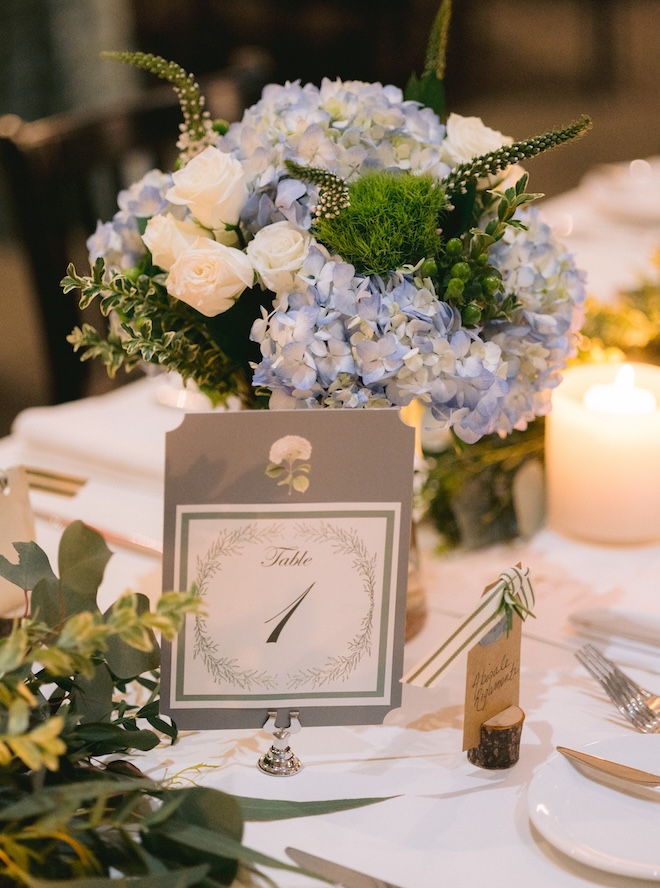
x,y
600,818
599,804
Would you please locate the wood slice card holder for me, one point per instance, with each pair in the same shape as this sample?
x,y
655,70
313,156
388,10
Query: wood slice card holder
x,y
499,740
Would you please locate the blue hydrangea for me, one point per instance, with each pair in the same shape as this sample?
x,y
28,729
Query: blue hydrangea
x,y
347,340
347,127
119,242
351,340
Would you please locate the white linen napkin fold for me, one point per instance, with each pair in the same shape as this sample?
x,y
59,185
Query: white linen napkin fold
x,y
116,436
624,626
630,638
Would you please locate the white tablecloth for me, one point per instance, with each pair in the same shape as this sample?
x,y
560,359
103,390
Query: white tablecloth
x,y
446,822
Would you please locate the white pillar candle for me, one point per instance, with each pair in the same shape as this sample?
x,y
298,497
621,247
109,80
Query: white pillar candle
x,y
603,454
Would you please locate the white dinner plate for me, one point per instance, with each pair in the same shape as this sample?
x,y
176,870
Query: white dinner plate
x,y
626,192
598,823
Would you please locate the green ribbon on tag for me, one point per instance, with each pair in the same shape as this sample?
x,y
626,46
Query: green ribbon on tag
x,y
512,593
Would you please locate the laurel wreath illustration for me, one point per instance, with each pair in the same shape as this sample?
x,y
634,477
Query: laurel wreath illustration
x,y
227,545
343,542
231,543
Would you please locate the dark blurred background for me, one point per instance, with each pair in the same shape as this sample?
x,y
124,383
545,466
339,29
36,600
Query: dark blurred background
x,y
523,66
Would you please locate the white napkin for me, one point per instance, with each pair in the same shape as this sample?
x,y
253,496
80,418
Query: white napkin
x,y
117,436
626,192
16,525
629,637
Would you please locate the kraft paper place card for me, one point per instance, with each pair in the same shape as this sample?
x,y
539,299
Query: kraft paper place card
x,y
493,677
293,528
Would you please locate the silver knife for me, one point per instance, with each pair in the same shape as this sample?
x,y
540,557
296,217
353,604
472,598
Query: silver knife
x,y
614,769
614,624
340,875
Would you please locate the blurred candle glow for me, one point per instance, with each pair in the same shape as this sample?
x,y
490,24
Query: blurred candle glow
x,y
622,397
603,454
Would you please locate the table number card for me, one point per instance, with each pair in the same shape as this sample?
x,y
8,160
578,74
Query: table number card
x,y
293,529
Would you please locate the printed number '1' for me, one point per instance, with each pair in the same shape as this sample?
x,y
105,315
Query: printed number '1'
x,y
288,612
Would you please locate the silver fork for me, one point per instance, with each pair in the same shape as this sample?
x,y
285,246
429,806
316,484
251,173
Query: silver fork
x,y
639,706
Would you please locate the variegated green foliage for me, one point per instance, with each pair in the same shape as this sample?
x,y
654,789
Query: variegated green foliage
x,y
66,817
150,326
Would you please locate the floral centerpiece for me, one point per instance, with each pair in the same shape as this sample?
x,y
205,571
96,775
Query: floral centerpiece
x,y
343,245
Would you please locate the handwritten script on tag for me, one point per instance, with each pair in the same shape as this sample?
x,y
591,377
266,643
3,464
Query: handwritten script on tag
x,y
493,678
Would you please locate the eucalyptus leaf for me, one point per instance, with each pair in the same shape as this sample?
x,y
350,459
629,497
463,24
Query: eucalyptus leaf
x,y
126,661
103,738
33,566
215,846
179,878
210,808
49,602
170,730
92,697
285,809
83,555
188,844
218,814
47,799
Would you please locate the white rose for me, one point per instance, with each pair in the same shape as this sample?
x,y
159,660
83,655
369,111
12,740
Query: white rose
x,y
277,253
210,276
467,138
167,237
212,186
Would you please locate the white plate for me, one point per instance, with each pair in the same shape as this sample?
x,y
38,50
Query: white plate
x,y
594,822
627,192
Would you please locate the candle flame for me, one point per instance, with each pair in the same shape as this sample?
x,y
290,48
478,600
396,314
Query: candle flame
x,y
625,378
641,171
622,396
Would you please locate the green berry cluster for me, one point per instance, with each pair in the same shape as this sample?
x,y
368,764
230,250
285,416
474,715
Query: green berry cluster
x,y
471,284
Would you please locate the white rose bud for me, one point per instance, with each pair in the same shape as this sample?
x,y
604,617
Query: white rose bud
x,y
212,186
467,138
210,276
277,253
167,237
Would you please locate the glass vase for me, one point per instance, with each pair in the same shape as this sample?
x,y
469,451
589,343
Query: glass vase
x,y
416,610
